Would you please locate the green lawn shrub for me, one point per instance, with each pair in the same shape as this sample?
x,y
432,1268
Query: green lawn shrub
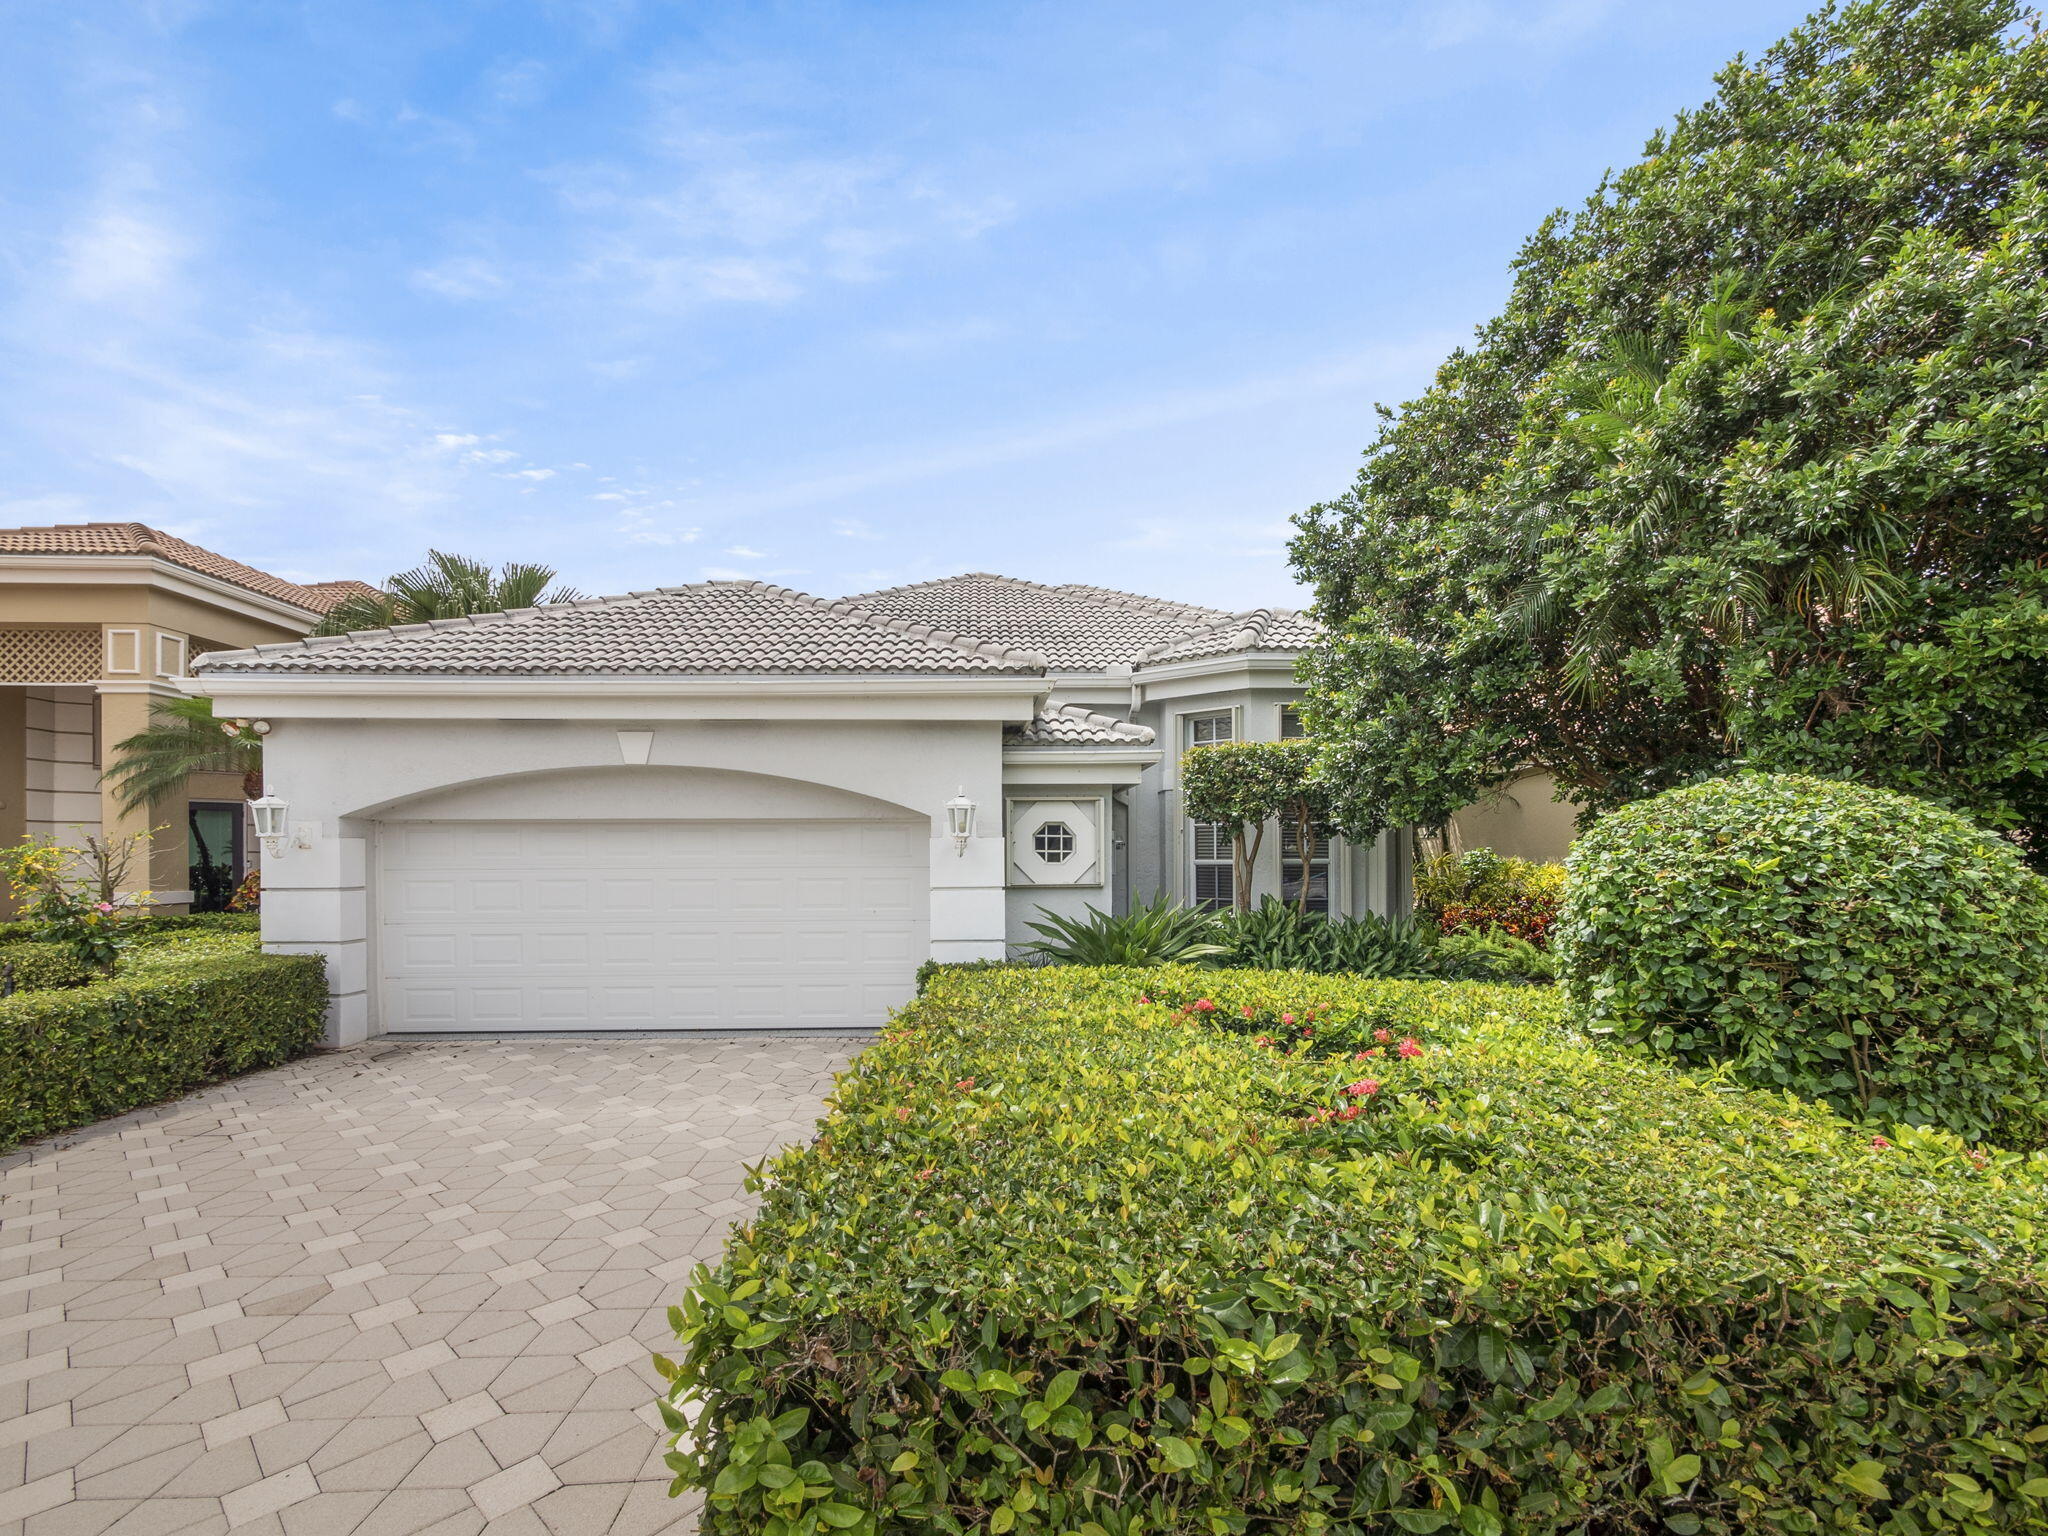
x,y
1849,943
1274,936
37,967
1068,1257
188,1008
146,926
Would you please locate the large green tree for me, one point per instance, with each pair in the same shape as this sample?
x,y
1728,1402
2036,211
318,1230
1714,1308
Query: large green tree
x,y
1752,468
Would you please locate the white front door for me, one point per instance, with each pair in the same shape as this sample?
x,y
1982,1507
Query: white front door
x,y
711,925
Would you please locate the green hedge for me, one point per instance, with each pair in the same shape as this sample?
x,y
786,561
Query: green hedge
x,y
37,967
1062,1261
191,1010
1842,941
145,927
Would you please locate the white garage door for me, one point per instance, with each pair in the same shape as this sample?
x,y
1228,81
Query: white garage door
x,y
559,926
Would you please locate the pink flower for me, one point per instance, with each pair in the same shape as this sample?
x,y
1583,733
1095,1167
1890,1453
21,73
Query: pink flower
x,y
1383,1035
903,1114
1247,1010
1203,1005
104,906
1879,1142
1143,1001
1408,1050
1351,1112
964,1084
1286,1018
1365,1087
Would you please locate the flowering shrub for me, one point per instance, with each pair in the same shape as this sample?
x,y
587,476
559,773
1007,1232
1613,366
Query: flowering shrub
x,y
248,895
61,906
1074,1255
1481,891
1845,942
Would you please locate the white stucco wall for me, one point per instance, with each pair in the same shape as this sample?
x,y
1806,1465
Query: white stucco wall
x,y
342,777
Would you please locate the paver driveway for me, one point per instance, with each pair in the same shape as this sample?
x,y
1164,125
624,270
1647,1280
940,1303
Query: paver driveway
x,y
402,1288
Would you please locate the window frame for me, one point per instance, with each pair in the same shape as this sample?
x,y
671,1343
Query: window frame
x,y
1221,869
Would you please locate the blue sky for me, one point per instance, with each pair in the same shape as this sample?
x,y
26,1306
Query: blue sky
x,y
835,295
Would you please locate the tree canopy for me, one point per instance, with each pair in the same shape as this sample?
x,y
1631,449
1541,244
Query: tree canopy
x,y
1750,471
1244,785
446,587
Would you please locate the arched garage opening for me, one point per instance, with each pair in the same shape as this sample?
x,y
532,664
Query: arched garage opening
x,y
645,898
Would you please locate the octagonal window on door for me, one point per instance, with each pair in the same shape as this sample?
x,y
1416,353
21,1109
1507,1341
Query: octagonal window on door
x,y
1055,842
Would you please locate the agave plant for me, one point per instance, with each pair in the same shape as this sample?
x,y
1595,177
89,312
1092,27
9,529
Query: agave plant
x,y
1156,933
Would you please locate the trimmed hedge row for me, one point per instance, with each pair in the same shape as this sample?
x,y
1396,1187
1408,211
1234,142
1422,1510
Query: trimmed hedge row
x,y
37,967
1062,1261
196,1008
146,926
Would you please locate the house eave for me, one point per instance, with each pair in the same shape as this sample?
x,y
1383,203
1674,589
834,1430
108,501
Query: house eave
x,y
149,571
1006,697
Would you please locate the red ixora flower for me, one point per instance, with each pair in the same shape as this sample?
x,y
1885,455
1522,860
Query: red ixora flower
x,y
1408,1050
1383,1035
964,1084
926,1173
1262,1039
1203,1005
1143,1000
903,1113
1879,1142
1365,1087
1286,1018
1351,1112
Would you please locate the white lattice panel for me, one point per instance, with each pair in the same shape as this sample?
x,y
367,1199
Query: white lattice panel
x,y
49,655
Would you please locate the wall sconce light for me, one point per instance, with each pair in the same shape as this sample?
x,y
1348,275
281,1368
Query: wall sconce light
x,y
960,821
268,814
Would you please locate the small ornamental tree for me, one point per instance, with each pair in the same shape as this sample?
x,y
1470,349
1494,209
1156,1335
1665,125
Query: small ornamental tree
x,y
1244,785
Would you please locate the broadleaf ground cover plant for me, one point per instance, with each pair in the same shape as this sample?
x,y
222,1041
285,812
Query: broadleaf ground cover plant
x,y
1067,1256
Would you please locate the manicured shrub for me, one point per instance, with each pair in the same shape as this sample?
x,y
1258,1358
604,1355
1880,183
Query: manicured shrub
x,y
1481,891
142,927
1065,1261
37,967
1851,944
187,1011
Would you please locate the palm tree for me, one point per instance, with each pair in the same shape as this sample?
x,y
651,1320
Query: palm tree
x,y
446,587
184,737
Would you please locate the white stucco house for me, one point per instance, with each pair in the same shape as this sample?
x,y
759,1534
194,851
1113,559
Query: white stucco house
x,y
733,806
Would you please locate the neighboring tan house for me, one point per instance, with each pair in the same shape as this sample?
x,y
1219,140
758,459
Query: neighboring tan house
x,y
735,806
98,620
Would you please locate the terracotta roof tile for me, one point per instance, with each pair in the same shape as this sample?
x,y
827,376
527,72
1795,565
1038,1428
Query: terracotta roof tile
x,y
141,539
1076,628
1074,725
709,627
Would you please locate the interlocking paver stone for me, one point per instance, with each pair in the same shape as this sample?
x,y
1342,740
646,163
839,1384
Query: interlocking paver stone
x,y
404,1289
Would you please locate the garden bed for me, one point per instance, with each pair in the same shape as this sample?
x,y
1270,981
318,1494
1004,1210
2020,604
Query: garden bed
x,y
191,1005
1064,1260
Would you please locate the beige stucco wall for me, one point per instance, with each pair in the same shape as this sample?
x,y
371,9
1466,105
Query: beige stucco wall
x,y
1523,819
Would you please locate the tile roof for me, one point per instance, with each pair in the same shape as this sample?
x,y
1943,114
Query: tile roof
x,y
1076,628
1261,629
708,627
332,592
141,539
1074,725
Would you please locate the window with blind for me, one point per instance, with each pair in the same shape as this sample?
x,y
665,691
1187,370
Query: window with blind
x,y
1291,727
1292,867
1211,878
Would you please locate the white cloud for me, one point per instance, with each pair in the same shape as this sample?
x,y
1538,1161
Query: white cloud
x,y
741,552
854,528
121,253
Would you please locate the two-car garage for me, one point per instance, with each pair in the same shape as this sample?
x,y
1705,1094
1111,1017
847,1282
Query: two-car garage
x,y
595,925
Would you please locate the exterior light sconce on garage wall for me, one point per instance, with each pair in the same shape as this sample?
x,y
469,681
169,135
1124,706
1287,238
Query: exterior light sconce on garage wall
x,y
960,821
268,814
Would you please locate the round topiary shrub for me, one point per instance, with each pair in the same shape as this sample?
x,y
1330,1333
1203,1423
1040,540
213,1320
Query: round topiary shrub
x,y
1850,944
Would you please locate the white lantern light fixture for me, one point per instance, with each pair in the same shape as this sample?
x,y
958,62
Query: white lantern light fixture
x,y
268,814
960,821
